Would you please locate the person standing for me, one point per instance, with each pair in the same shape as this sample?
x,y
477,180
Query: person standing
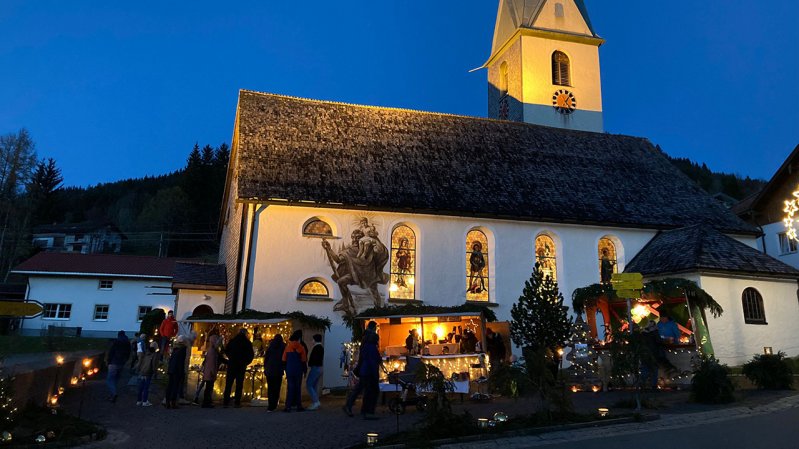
x,y
210,369
239,354
176,371
274,367
168,330
367,370
117,357
295,358
316,362
148,362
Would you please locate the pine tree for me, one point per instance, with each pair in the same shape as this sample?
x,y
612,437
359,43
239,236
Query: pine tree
x,y
539,319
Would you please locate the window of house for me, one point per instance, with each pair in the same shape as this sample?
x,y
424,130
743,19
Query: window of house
x,y
560,69
143,310
607,260
317,228
754,313
314,289
546,256
477,266
106,285
403,264
57,311
787,244
101,312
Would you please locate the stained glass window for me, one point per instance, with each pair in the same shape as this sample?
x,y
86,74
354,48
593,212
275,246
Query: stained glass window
x,y
314,289
317,228
607,260
476,266
403,264
546,256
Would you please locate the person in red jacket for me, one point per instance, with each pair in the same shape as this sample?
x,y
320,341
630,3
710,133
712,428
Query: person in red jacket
x,y
168,330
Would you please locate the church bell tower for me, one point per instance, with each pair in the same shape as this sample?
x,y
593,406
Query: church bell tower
x,y
544,65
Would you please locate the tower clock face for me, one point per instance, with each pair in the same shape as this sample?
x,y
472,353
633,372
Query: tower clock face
x,y
564,102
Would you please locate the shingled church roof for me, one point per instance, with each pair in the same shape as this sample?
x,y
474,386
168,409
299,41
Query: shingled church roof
x,y
340,155
702,248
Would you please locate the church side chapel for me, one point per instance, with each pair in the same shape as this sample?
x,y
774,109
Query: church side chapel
x,y
343,211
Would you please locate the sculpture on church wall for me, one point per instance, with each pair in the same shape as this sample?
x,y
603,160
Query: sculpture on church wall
x,y
359,265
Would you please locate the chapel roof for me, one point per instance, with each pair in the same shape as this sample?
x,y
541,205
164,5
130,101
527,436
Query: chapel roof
x,y
701,248
293,150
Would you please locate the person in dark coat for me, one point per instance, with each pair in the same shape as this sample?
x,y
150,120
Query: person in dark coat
x,y
117,358
368,372
295,358
274,368
496,349
176,369
239,354
316,361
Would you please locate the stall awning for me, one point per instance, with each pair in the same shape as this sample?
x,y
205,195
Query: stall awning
x,y
237,321
429,315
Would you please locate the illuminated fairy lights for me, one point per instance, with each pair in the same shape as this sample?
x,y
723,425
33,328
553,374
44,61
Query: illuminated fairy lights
x,y
791,209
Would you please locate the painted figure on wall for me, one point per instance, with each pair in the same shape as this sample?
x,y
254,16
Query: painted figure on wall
x,y
359,264
477,264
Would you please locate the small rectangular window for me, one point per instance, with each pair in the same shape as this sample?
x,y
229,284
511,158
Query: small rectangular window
x,y
57,311
787,245
101,312
143,310
106,285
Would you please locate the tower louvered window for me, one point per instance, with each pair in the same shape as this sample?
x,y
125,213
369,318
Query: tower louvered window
x,y
560,69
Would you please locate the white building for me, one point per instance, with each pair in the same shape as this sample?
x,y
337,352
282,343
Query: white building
x,y
333,208
101,294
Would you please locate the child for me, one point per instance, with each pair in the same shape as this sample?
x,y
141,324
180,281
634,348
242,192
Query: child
x,y
145,370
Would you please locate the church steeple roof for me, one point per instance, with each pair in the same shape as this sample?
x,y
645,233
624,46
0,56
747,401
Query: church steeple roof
x,y
515,14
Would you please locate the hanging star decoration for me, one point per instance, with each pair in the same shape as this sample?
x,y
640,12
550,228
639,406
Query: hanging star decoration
x,y
791,209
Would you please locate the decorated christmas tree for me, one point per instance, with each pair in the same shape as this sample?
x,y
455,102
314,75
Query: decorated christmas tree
x,y
539,319
8,412
584,368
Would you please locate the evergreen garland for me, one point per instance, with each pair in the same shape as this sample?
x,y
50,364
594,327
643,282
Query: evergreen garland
x,y
539,319
311,321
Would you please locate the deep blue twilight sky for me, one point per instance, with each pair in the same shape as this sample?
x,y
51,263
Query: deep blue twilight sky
x,y
123,89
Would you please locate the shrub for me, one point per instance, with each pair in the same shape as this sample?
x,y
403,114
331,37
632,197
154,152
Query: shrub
x,y
769,371
510,380
152,321
711,384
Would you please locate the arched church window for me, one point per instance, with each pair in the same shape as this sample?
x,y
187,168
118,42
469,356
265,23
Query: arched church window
x,y
476,266
607,260
317,228
560,69
503,79
403,264
313,288
559,13
754,313
546,256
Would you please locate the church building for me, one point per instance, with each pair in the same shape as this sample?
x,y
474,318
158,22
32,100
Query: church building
x,y
334,208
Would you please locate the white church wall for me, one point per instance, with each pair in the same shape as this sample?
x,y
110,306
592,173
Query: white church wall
x,y
188,299
281,258
734,341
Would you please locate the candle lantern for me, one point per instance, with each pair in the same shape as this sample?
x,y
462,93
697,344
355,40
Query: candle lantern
x,y
371,439
603,412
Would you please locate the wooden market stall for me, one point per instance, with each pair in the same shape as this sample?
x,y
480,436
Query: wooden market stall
x,y
682,301
261,329
452,341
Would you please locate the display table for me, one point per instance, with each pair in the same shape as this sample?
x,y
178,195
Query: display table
x,y
461,387
445,349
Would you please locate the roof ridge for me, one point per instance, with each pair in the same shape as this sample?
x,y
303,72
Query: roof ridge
x,y
419,111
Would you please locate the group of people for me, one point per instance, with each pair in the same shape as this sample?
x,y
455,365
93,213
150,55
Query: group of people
x,y
367,371
654,335
292,360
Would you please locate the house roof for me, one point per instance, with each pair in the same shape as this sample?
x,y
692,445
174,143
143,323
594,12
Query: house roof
x,y
75,228
292,150
107,265
766,206
702,248
198,274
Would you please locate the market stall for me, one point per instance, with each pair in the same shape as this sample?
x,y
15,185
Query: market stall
x,y
676,306
261,329
453,342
